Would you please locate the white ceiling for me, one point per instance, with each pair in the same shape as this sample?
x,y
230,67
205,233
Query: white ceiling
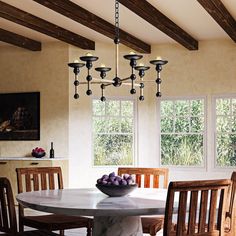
x,y
188,14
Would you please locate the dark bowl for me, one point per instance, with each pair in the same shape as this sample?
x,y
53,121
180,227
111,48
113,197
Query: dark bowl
x,y
116,190
38,154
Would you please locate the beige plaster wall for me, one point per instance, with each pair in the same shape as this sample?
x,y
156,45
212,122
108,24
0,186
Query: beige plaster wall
x,y
209,71
46,71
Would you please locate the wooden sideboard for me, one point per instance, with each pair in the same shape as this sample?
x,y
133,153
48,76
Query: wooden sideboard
x,y
8,167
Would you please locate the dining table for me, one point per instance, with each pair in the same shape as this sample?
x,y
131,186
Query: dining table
x,y
113,216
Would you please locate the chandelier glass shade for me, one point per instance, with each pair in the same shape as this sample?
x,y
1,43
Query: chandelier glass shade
x,y
131,80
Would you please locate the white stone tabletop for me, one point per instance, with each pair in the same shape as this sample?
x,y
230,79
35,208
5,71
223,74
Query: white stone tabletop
x,y
91,202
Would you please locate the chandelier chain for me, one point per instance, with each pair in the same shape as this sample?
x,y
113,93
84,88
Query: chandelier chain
x,y
117,26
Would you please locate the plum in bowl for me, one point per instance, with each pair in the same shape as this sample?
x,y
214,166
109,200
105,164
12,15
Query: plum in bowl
x,y
116,186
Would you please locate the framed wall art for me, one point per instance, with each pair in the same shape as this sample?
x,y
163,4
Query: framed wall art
x,y
20,116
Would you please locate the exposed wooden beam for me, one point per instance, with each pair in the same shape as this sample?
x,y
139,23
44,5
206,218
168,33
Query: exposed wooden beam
x,y
149,13
20,41
83,16
221,15
26,19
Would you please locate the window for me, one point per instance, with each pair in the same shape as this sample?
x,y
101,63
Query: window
x,y
182,132
225,131
113,132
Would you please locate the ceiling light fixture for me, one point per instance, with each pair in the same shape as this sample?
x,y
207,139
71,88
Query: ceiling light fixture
x,y
117,81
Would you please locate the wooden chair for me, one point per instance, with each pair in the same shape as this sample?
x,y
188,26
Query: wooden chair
x,y
148,178
8,223
205,197
230,227
43,178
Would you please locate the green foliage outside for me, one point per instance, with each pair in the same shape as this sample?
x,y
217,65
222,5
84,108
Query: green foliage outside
x,y
225,132
113,132
182,128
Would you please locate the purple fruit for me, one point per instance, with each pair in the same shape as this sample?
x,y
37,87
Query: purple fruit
x,y
105,177
123,182
104,182
115,182
118,178
112,174
126,176
99,181
112,178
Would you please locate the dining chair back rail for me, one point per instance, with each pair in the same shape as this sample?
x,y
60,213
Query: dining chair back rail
x,y
206,198
151,176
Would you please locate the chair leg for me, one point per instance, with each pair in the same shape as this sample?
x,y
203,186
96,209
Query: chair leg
x,y
62,232
89,232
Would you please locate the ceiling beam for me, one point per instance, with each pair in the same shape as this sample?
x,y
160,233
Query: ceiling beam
x,y
149,13
26,19
20,41
84,17
221,15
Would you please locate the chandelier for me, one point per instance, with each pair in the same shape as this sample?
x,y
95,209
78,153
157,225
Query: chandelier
x,y
132,80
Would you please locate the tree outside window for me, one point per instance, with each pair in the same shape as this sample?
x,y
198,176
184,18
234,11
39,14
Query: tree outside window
x,y
182,132
225,131
113,132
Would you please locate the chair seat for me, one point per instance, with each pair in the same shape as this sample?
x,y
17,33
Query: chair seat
x,y
151,225
56,222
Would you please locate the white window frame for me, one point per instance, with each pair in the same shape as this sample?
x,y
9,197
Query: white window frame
x,y
203,167
117,98
213,102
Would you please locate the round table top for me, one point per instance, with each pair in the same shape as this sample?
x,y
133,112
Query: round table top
x,y
91,202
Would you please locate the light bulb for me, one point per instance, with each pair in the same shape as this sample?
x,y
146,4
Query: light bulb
x,y
102,65
141,64
132,53
89,54
158,58
76,61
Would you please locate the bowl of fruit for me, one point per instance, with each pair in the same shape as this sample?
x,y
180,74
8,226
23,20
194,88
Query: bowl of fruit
x,y
116,186
38,152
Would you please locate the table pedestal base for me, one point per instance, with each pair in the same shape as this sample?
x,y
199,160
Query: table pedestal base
x,y
117,226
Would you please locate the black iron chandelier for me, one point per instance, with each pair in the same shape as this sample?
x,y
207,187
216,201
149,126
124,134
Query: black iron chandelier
x,y
88,60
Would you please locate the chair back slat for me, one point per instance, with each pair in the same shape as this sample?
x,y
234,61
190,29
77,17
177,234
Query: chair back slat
x,y
138,180
28,183
8,222
43,178
203,211
192,212
36,182
156,183
212,211
147,181
213,196
51,181
150,176
181,213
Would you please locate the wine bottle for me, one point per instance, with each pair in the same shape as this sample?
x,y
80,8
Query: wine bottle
x,y
51,151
